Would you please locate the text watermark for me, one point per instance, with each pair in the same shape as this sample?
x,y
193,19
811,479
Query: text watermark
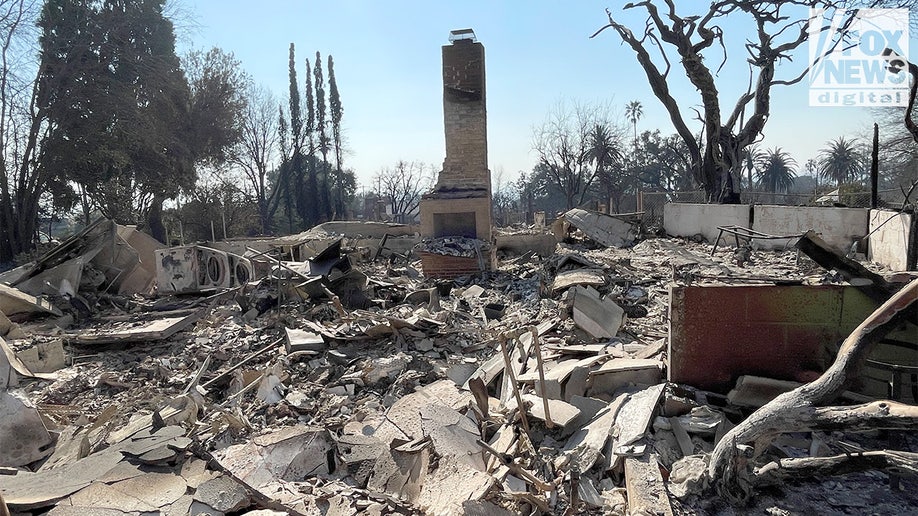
x,y
867,68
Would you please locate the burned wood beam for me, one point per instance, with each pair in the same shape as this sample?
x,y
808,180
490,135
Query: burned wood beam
x,y
816,248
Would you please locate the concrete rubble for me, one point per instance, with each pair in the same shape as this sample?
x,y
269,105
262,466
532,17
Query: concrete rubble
x,y
342,381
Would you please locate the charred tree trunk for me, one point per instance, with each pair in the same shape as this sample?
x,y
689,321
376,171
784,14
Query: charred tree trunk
x,y
731,460
155,226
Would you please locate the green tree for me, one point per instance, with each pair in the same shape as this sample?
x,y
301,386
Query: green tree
x,y
125,117
776,170
841,161
304,200
337,111
751,156
283,178
564,145
322,136
312,184
633,112
662,163
603,151
218,103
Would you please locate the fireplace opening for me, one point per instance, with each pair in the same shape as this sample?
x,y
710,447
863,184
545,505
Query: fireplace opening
x,y
454,224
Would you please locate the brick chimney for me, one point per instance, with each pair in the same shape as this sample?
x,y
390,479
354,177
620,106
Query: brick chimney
x,y
460,204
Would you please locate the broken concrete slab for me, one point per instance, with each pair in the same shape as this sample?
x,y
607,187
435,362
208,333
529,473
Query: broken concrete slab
x,y
756,391
72,445
646,491
598,316
453,435
291,453
621,372
145,492
606,230
584,448
567,279
12,367
14,301
561,413
23,434
402,471
473,292
689,476
634,417
33,490
223,494
452,484
9,329
136,331
44,357
403,420
301,340
359,453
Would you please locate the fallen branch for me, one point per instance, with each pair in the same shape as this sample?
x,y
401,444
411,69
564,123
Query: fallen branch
x,y
730,471
838,464
877,415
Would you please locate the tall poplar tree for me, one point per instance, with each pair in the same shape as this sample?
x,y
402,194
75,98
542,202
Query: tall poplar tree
x,y
283,181
321,134
310,134
303,207
337,111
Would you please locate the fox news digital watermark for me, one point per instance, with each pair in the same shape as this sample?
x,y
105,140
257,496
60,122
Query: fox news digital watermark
x,y
868,68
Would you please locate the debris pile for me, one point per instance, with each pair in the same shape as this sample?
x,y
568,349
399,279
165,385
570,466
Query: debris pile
x,y
342,385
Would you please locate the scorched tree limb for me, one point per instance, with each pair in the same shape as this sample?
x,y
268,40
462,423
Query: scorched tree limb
x,y
729,467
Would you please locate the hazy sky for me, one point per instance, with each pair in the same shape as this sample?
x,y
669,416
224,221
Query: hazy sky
x,y
387,63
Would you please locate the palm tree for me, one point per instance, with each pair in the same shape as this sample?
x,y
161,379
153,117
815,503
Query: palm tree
x,y
603,148
603,152
634,111
777,170
841,161
751,155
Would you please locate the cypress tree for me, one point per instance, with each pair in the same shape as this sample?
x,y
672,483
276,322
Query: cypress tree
x,y
310,130
321,133
337,111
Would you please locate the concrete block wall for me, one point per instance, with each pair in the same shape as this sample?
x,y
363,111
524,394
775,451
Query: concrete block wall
x,y
686,220
839,227
889,236
719,333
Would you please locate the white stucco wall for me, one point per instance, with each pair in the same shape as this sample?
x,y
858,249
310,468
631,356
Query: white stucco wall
x,y
889,238
839,227
685,220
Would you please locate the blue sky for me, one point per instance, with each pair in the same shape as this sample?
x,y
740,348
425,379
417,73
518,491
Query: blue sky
x,y
387,63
